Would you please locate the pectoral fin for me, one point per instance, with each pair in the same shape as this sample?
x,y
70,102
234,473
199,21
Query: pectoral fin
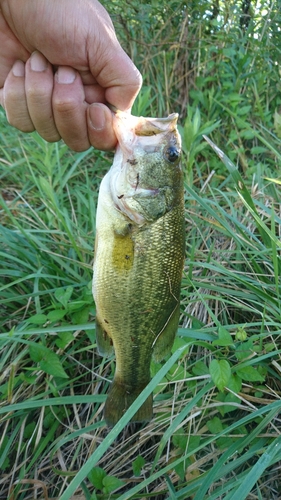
x,y
165,340
104,342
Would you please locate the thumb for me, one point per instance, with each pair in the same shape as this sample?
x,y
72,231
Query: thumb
x,y
121,80
111,67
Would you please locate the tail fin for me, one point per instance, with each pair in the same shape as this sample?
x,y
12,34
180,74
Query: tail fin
x,y
119,398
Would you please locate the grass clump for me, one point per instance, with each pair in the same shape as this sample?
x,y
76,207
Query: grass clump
x,y
216,429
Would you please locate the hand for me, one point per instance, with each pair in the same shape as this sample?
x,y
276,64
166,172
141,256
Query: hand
x,y
60,61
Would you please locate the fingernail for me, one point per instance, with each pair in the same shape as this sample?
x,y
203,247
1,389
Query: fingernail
x,y
18,68
97,116
65,74
38,62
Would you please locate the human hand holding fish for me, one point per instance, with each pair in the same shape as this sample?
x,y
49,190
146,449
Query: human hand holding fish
x,y
60,62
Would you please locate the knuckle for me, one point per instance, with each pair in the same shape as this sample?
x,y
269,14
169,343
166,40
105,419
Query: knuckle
x,y
79,148
65,105
36,94
17,113
50,135
77,143
22,123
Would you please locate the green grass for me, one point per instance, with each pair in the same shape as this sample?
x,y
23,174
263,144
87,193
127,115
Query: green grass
x,y
216,427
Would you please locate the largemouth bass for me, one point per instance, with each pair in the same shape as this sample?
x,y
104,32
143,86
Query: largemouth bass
x,y
139,255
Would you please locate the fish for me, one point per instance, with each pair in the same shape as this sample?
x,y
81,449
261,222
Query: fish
x,y
139,256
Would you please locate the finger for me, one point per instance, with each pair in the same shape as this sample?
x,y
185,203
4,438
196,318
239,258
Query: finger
x,y
94,93
14,99
111,67
69,108
11,49
100,128
39,87
125,88
119,77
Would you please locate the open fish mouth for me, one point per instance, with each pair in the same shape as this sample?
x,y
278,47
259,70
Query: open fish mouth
x,y
133,132
136,189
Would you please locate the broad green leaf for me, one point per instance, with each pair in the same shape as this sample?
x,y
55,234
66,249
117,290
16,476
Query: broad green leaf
x,y
64,339
80,317
243,110
29,380
75,305
48,360
200,369
256,150
220,372
63,295
234,383
180,470
154,369
56,314
137,465
51,364
250,374
224,337
230,398
179,439
245,350
111,483
215,425
193,442
37,319
96,477
37,352
268,347
184,441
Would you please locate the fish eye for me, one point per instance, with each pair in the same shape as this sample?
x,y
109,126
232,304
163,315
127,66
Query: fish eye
x,y
172,153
